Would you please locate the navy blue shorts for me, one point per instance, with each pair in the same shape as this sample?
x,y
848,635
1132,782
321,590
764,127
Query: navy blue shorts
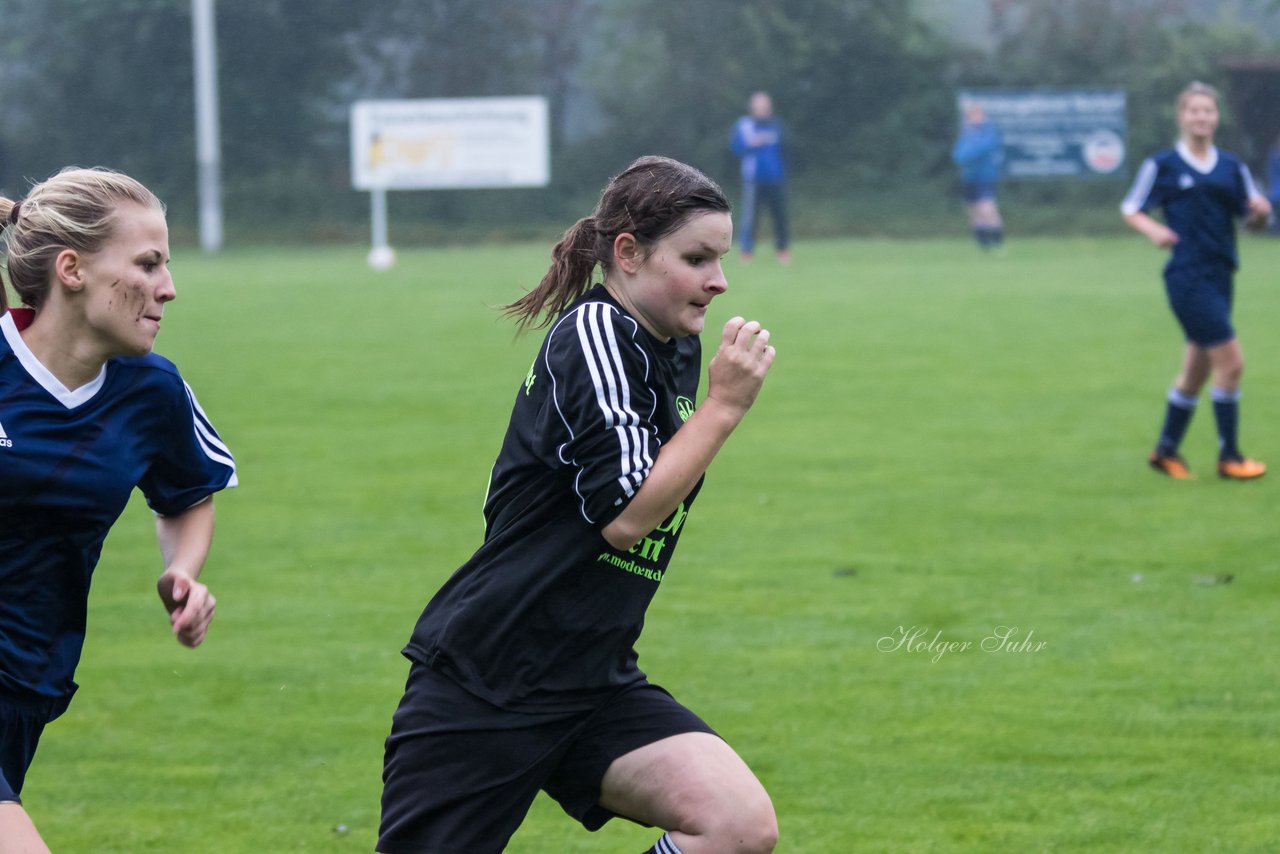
x,y
21,724
1200,297
460,773
977,191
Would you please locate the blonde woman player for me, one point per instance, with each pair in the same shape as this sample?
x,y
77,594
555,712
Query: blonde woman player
x,y
87,412
1201,189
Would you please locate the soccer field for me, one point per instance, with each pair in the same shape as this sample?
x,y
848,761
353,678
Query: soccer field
x,y
949,444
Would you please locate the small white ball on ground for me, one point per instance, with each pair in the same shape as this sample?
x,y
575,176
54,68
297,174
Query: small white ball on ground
x,y
382,258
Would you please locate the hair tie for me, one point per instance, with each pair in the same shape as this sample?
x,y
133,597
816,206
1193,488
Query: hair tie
x,y
13,214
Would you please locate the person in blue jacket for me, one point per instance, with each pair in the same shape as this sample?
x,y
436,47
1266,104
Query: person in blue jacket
x,y
979,152
757,140
87,412
1201,191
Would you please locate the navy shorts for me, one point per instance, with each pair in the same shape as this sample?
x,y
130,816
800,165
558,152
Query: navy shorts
x,y
977,191
460,773
1200,297
21,724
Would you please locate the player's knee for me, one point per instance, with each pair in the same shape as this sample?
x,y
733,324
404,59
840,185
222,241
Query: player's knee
x,y
1229,373
762,832
747,826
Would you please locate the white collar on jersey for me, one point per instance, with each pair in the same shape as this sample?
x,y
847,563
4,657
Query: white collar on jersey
x,y
67,397
1203,166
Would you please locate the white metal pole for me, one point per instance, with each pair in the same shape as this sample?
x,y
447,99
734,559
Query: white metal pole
x,y
208,149
381,255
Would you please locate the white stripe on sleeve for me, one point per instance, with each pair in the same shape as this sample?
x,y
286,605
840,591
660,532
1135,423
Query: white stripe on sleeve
x,y
1141,189
208,440
1250,187
613,394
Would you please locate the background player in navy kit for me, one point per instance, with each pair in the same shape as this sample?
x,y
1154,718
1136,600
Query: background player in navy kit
x,y
87,413
524,673
1201,189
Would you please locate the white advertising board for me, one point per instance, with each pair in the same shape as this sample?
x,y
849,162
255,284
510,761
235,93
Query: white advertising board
x,y
450,143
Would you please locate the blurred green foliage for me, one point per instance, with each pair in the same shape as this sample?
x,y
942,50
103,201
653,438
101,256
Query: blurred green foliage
x,y
866,88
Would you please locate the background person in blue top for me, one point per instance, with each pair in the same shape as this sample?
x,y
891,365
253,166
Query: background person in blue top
x,y
757,140
1201,190
979,152
87,413
524,673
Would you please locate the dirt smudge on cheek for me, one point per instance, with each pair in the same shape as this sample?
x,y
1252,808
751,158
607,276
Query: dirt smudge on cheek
x,y
136,299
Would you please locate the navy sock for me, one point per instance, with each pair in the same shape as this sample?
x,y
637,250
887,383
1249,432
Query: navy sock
x,y
1177,415
1226,411
980,235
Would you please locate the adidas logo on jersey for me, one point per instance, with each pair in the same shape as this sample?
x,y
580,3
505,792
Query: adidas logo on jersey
x,y
5,441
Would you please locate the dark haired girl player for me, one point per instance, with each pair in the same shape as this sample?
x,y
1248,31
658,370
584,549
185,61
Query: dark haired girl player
x,y
524,673
87,412
1202,189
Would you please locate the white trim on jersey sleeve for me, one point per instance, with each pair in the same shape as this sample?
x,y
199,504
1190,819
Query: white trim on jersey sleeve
x,y
613,393
1138,194
70,398
602,355
1249,186
213,447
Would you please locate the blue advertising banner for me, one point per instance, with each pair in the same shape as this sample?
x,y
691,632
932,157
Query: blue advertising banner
x,y
1077,133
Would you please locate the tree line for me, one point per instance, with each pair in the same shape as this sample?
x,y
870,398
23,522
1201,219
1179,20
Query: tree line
x,y
866,88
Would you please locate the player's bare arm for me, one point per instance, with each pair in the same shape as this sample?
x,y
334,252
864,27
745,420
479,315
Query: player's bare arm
x,y
1151,228
184,544
734,378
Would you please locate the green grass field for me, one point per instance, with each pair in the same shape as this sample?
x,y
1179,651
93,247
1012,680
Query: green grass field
x,y
949,443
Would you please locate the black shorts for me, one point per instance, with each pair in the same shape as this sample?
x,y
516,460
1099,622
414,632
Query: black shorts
x,y
1200,297
21,724
460,773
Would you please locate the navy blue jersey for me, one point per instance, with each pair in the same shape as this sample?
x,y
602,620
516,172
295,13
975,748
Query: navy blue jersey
x,y
1200,200
546,613
68,463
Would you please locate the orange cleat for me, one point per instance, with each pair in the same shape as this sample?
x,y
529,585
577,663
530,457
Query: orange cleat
x,y
1174,466
1241,468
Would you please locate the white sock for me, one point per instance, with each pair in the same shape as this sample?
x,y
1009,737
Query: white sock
x,y
665,845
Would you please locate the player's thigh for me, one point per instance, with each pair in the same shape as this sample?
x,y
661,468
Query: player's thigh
x,y
693,782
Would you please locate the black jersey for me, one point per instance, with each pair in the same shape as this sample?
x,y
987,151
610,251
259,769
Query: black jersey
x,y
546,613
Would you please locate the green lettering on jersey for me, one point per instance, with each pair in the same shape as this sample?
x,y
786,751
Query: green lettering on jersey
x,y
674,522
528,380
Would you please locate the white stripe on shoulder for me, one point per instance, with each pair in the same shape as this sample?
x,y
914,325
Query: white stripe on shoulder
x,y
613,396
213,447
1141,189
596,334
